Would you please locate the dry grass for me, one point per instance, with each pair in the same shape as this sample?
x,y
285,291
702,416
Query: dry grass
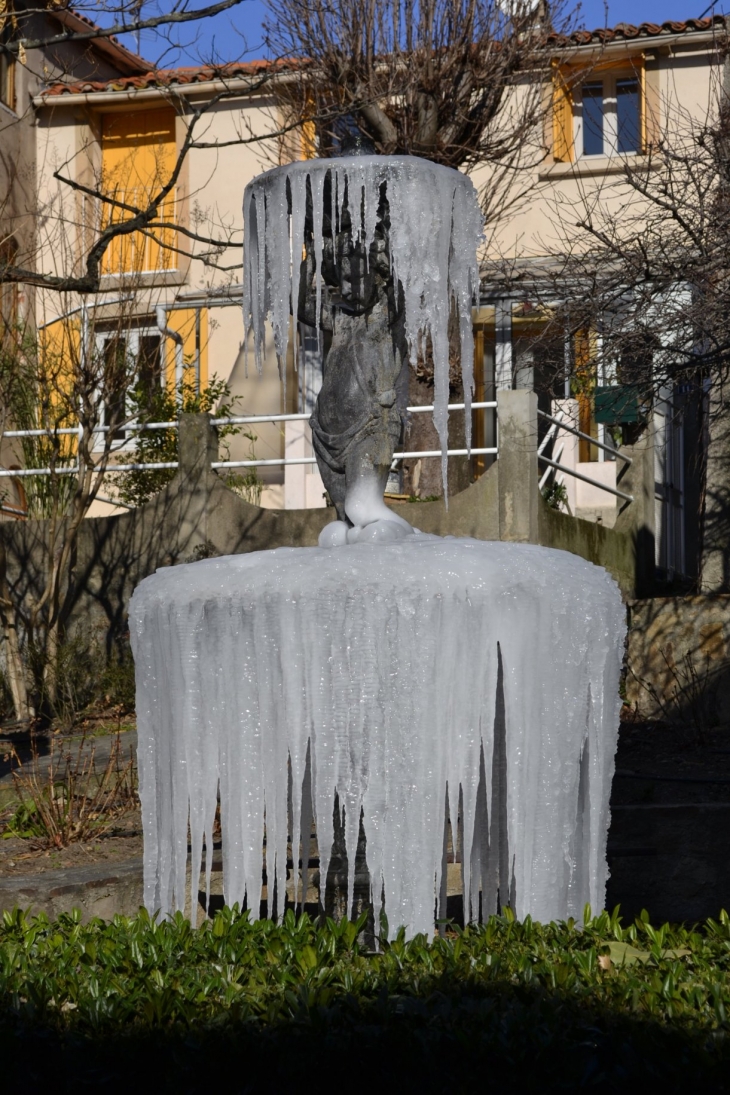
x,y
71,797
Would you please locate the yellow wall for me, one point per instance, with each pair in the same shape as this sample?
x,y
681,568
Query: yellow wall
x,y
183,320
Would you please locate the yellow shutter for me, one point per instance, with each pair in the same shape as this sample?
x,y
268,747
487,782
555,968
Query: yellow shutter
x,y
644,121
192,325
563,147
60,353
585,345
309,132
138,156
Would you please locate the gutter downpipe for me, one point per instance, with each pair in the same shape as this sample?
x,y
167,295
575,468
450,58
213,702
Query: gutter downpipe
x,y
176,337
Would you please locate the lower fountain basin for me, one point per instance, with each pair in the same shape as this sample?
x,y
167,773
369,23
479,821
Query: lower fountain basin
x,y
415,679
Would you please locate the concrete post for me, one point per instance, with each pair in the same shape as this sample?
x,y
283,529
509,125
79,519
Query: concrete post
x,y
503,344
197,448
517,466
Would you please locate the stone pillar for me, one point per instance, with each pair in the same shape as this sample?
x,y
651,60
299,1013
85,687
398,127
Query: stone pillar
x,y
715,552
197,449
517,466
637,517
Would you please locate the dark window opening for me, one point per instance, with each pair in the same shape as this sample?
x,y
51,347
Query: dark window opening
x,y
627,112
593,119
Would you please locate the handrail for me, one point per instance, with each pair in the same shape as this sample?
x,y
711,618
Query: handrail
x,y
586,437
235,420
313,459
546,473
586,479
250,419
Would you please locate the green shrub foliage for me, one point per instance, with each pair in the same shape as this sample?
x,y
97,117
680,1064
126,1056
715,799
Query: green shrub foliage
x,y
134,488
506,1006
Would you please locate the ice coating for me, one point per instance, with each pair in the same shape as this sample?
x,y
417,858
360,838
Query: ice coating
x,y
411,671
435,229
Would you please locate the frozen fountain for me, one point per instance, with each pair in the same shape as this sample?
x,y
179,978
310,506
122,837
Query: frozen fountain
x,y
417,678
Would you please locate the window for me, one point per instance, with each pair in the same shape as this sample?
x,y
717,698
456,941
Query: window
x,y
603,116
138,156
7,61
131,356
609,120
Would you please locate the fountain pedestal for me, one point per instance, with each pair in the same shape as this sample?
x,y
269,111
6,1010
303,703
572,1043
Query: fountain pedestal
x,y
419,676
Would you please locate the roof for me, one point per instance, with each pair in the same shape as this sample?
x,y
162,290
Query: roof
x,y
171,77
161,78
123,58
627,32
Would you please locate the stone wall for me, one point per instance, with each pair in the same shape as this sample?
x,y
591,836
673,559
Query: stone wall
x,y
679,659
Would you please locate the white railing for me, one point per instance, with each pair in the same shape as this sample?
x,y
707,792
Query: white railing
x,y
561,424
236,420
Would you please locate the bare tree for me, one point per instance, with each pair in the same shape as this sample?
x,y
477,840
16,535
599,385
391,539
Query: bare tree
x,y
460,82
432,80
65,388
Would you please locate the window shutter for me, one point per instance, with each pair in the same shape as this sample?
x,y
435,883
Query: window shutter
x,y
563,146
138,156
644,113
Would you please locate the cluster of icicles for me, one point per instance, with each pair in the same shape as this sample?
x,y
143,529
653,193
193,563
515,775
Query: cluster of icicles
x,y
412,679
435,229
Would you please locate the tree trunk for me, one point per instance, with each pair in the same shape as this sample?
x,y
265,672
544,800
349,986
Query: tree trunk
x,y
13,661
422,478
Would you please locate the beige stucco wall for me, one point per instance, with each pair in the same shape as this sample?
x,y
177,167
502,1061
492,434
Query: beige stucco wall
x,y
682,86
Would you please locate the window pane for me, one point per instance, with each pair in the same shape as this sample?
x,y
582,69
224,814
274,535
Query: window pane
x,y
593,119
627,110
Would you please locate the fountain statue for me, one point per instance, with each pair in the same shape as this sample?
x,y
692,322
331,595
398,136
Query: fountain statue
x,y
413,679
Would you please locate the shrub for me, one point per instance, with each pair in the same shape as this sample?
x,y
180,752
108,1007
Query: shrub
x,y
86,677
134,488
506,1006
73,798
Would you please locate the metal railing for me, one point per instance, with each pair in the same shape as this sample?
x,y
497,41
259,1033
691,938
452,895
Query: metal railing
x,y
559,425
235,420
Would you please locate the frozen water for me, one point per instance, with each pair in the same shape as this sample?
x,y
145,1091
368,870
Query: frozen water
x,y
413,672
435,229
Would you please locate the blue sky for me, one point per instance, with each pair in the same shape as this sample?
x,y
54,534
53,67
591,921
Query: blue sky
x,y
237,35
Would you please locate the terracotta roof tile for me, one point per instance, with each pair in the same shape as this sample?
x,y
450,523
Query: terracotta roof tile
x,y
629,32
161,78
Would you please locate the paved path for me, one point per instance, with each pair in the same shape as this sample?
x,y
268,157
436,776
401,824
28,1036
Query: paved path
x,y
63,744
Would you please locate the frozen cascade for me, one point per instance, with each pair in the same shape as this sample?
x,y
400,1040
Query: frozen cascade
x,y
412,672
435,229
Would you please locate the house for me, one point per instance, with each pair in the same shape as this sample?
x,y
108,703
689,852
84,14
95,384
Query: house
x,y
172,297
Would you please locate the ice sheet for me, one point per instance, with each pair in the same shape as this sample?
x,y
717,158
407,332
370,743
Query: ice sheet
x,y
404,670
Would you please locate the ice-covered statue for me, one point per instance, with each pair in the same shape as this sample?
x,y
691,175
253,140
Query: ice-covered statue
x,y
389,251
420,682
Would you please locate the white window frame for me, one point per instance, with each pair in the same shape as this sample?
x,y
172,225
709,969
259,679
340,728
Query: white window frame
x,y
609,79
133,336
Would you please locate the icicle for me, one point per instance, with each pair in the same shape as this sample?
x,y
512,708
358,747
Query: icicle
x,y
298,185
316,181
436,227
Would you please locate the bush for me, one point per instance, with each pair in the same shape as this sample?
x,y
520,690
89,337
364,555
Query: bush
x,y
87,678
506,1006
134,488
